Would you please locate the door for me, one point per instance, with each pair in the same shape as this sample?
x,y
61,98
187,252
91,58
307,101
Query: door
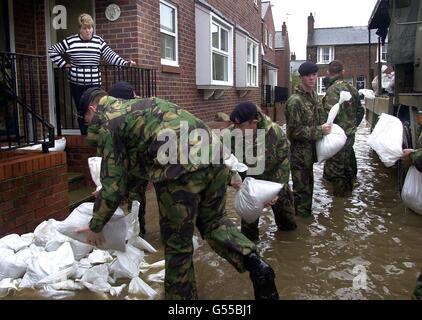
x,y
59,90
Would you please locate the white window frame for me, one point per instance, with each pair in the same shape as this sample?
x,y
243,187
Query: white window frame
x,y
358,81
320,86
265,36
384,51
320,55
254,46
229,54
174,63
255,2
270,40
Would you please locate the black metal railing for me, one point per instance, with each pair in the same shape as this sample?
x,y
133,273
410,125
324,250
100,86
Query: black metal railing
x,y
22,99
143,80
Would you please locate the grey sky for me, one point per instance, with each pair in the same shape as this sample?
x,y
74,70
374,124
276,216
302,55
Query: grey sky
x,y
328,13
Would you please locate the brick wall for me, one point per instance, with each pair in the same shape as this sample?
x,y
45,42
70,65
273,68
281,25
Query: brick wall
x,y
282,58
77,156
33,188
136,35
355,59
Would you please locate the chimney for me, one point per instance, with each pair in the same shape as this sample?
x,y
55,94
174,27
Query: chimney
x,y
311,24
293,57
284,29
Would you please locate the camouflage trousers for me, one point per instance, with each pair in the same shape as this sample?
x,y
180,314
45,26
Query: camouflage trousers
x,y
139,195
197,198
303,187
417,293
284,215
341,170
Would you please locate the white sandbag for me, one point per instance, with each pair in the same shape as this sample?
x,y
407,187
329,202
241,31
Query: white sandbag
x,y
144,266
82,266
50,293
58,277
412,190
46,264
23,256
133,221
234,165
94,164
117,291
36,249
114,231
253,195
8,285
16,242
70,285
96,279
127,263
367,93
59,145
99,256
138,287
45,232
10,265
331,144
387,139
142,244
157,277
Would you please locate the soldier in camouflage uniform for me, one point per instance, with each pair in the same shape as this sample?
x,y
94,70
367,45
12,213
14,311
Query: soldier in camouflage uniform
x,y
341,170
189,193
415,158
247,115
305,125
137,181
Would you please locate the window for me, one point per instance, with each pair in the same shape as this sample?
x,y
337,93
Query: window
x,y
349,80
270,40
265,36
360,82
320,86
168,30
252,64
384,50
256,2
220,35
325,55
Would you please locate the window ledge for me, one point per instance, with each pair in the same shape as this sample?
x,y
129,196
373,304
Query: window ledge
x,y
215,92
170,69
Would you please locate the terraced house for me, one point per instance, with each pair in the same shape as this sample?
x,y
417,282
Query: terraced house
x,y
206,56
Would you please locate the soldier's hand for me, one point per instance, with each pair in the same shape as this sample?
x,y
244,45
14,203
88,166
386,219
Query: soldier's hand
x,y
271,202
96,193
326,128
406,157
236,185
94,239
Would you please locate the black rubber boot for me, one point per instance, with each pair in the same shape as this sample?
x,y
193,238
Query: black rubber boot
x,y
262,276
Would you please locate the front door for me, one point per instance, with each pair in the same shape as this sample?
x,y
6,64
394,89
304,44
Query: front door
x,y
60,91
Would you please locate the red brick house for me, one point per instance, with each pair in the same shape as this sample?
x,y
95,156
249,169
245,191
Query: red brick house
x,y
347,44
282,54
203,55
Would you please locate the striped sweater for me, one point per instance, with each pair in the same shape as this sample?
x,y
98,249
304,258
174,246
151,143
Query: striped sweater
x,y
84,56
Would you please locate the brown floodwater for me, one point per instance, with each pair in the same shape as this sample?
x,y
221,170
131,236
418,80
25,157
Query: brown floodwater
x,y
368,236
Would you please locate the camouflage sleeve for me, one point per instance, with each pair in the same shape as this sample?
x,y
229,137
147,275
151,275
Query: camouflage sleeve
x,y
295,128
113,179
416,157
279,158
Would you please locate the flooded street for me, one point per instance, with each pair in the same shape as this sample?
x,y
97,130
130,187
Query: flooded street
x,y
368,239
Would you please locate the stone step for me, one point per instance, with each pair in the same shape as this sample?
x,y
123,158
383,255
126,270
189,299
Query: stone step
x,y
79,196
76,180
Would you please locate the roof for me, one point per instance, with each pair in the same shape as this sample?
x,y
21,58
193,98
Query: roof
x,y
380,16
341,36
264,8
280,41
294,65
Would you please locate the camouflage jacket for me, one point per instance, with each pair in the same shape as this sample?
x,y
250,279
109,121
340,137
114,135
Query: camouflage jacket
x,y
416,157
304,117
351,112
133,136
277,151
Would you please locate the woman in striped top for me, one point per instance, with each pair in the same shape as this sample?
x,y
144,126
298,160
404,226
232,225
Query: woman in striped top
x,y
84,50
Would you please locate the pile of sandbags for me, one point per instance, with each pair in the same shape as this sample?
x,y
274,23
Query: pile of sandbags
x,y
57,265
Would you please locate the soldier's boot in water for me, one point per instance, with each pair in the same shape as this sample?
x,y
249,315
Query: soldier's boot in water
x,y
417,294
262,276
